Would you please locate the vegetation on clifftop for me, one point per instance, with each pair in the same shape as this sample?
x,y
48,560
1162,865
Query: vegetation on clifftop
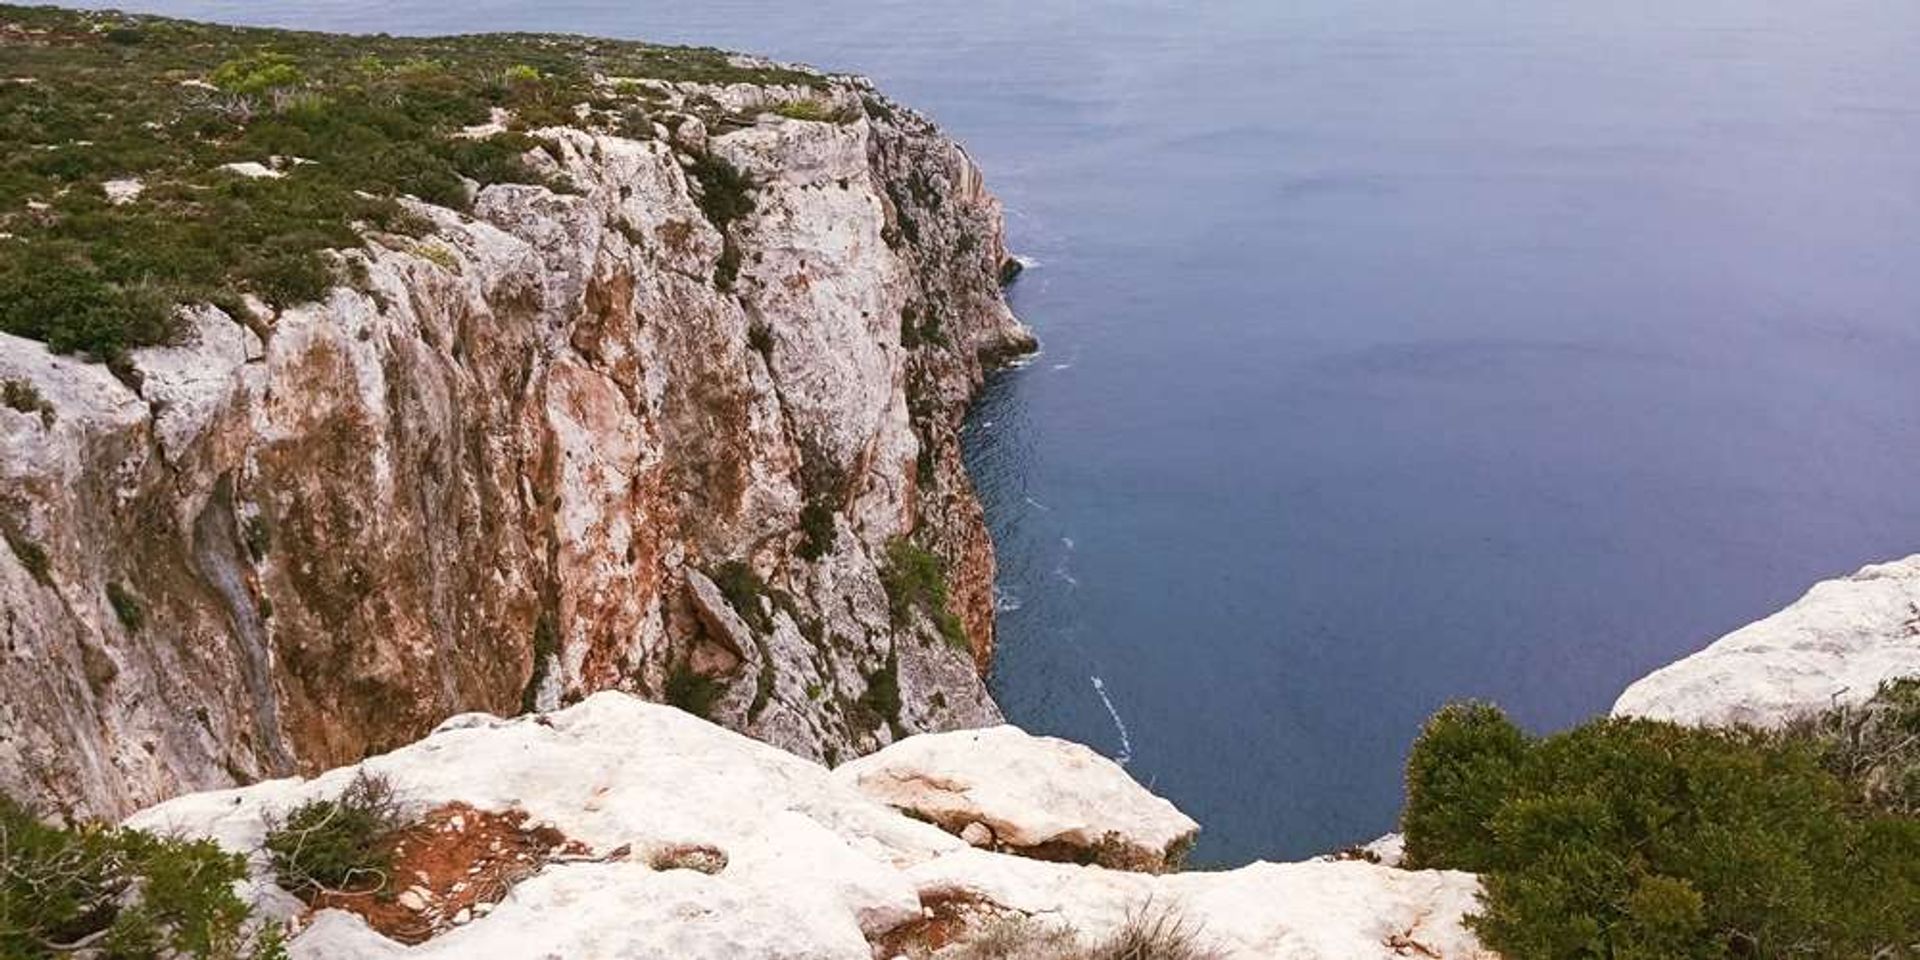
x,y
116,201
1635,838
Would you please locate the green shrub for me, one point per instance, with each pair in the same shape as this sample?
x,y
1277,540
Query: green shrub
x,y
696,693
726,269
1874,748
1632,838
23,396
817,529
915,579
744,589
881,699
257,73
33,557
340,845
1460,771
726,194
919,328
126,607
119,893
817,111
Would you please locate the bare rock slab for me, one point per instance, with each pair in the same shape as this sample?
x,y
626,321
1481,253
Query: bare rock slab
x,y
1041,796
1834,646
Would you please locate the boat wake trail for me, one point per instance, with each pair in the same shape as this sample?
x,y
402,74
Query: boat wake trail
x,y
1126,744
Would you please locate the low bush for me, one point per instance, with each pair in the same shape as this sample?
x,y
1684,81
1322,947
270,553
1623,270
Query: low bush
x,y
817,111
880,702
817,529
126,607
1634,838
1874,748
726,194
113,892
342,845
33,557
744,591
1461,769
23,396
694,692
915,578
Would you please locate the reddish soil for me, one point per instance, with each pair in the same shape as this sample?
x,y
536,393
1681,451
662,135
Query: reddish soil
x,y
454,864
944,920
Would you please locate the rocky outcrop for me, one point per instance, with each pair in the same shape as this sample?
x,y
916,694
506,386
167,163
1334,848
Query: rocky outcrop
x,y
1038,796
516,461
1833,646
799,863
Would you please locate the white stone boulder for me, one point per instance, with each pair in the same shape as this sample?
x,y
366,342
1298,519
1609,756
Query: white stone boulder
x,y
1833,646
1039,795
1352,910
812,868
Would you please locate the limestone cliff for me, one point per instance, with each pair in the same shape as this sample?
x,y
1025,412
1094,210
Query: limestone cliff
x,y
575,441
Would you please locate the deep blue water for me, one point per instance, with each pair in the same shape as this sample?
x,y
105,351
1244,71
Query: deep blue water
x,y
1396,350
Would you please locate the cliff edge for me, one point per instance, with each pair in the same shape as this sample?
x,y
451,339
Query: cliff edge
x,y
1833,647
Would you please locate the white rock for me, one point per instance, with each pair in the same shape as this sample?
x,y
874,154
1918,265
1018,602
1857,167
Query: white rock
x,y
123,191
1030,791
497,118
1390,849
1350,910
252,170
977,834
200,379
815,868
797,854
1835,645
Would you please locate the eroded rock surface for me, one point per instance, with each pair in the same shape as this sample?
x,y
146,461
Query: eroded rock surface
x,y
1833,646
482,476
807,865
1041,796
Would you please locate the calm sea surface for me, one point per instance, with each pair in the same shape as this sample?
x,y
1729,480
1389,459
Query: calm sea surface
x,y
1396,350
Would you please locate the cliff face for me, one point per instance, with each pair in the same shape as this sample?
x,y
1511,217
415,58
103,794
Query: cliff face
x,y
578,441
